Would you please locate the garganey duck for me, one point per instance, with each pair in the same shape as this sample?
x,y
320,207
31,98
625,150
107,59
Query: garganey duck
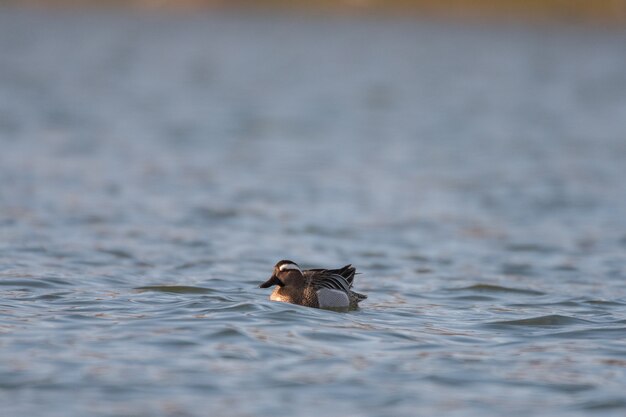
x,y
319,288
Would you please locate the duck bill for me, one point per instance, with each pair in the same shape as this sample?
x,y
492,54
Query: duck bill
x,y
272,281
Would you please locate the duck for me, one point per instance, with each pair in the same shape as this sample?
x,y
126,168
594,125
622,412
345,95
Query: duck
x,y
317,288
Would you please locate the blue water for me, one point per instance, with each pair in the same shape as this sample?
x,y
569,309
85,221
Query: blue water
x,y
153,168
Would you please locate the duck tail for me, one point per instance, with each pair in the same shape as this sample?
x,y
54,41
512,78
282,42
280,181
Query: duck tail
x,y
359,297
348,273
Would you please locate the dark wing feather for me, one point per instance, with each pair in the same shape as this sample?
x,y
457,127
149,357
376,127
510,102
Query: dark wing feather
x,y
347,273
327,279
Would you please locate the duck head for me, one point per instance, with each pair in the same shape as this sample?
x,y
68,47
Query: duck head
x,y
285,273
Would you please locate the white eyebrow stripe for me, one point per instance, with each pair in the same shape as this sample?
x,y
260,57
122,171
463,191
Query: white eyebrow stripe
x,y
284,267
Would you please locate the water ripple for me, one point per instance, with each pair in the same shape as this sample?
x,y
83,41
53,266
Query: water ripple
x,y
490,288
549,320
155,167
175,289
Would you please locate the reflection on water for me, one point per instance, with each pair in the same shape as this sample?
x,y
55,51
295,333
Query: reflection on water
x,y
154,168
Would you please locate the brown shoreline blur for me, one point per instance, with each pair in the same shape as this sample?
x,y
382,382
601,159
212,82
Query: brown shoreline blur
x,y
574,11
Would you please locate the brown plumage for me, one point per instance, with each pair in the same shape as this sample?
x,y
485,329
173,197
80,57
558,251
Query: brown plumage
x,y
319,288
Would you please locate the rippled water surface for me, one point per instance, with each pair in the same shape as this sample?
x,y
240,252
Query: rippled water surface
x,y
154,168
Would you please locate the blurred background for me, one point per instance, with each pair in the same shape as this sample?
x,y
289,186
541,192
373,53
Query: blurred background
x,y
600,11
157,158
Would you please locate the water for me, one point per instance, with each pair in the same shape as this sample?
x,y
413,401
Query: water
x,y
154,168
